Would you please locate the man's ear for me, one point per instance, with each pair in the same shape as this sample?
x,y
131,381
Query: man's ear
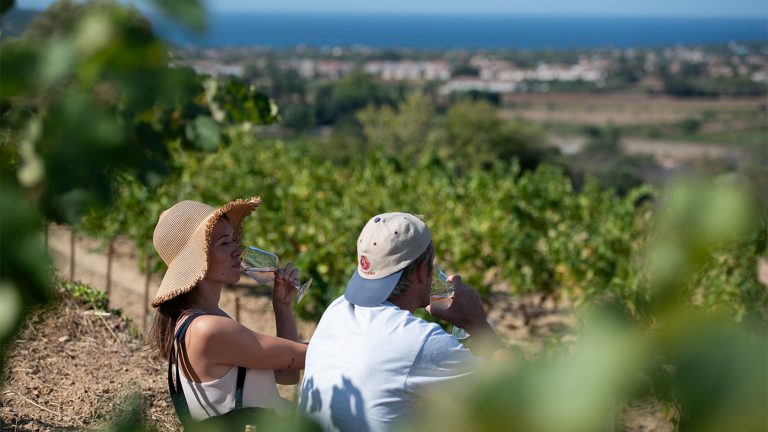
x,y
422,271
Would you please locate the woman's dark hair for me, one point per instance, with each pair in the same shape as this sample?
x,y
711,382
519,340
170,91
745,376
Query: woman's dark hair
x,y
164,325
167,315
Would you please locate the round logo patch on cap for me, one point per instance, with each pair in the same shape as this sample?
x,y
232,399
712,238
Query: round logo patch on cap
x,y
364,263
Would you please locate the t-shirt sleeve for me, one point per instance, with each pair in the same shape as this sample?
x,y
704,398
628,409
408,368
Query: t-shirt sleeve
x,y
443,360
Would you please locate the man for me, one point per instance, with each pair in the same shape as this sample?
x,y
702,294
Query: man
x,y
370,359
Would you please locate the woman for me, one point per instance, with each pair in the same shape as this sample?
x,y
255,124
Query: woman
x,y
218,368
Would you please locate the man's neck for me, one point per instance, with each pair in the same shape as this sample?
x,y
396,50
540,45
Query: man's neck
x,y
404,302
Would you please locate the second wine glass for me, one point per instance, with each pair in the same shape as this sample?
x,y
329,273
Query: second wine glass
x,y
262,265
441,297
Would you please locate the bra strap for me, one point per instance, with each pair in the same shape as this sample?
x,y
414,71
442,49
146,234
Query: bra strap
x,y
239,388
175,389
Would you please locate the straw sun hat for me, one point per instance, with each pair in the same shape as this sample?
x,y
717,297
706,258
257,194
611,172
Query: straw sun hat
x,y
182,237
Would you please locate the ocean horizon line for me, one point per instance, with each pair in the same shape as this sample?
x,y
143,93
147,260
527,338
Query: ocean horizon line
x,y
451,31
473,15
555,15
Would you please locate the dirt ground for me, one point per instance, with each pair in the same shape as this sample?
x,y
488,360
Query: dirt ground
x,y
73,369
622,109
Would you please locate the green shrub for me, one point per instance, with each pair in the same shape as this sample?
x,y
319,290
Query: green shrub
x,y
87,295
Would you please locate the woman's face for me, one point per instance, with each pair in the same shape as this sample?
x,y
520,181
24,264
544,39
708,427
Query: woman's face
x,y
224,254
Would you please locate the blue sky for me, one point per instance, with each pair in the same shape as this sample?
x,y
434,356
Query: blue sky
x,y
656,8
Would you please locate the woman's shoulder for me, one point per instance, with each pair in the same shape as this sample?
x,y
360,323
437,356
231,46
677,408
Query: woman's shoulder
x,y
207,326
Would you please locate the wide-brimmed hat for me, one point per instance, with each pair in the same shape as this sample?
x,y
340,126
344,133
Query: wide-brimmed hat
x,y
182,237
387,244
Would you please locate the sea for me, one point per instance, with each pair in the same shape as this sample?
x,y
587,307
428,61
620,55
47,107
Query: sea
x,y
440,32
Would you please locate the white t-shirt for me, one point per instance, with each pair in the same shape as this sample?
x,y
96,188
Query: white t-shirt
x,y
368,367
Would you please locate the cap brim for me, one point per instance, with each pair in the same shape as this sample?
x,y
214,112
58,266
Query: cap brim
x,y
370,292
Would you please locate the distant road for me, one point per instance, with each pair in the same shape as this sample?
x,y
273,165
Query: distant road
x,y
626,109
668,153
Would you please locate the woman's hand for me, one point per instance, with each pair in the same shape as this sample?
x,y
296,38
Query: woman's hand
x,y
284,290
283,293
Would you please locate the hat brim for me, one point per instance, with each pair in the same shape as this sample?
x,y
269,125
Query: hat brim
x,y
191,264
370,292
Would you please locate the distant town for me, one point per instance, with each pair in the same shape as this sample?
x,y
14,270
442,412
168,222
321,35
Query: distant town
x,y
500,72
677,103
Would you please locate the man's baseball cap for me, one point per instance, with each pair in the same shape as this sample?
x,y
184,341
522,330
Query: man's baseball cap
x,y
387,244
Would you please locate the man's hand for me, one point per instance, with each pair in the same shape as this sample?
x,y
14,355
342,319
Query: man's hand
x,y
466,310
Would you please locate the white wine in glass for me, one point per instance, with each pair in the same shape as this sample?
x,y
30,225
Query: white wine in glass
x,y
262,275
261,266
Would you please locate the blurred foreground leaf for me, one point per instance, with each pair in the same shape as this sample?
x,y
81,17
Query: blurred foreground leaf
x,y
707,365
88,95
6,5
24,263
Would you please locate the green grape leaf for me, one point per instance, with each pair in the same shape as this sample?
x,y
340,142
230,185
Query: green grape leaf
x,y
204,132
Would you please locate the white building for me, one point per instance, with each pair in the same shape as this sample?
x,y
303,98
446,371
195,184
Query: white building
x,y
409,70
462,85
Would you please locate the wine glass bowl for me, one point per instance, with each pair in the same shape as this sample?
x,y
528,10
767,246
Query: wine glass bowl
x,y
441,291
441,297
259,264
262,266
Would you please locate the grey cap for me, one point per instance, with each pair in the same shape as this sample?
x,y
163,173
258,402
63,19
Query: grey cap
x,y
388,243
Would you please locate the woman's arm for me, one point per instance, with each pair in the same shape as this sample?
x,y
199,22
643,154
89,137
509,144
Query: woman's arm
x,y
285,323
215,342
223,341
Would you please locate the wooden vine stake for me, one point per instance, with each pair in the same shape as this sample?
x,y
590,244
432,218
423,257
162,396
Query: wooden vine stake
x,y
148,269
110,254
72,254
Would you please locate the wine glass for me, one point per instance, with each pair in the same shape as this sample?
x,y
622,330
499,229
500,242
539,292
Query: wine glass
x,y
261,266
441,297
